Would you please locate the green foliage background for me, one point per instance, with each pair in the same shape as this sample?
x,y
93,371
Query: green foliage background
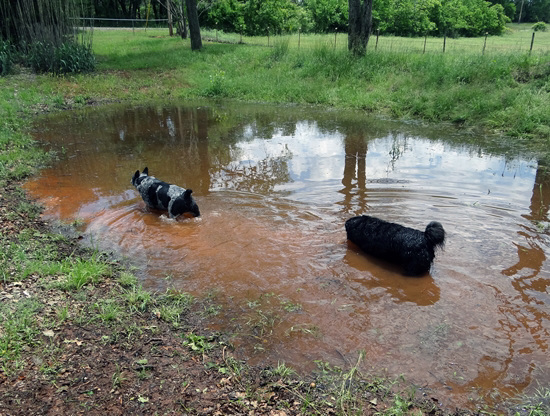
x,y
398,17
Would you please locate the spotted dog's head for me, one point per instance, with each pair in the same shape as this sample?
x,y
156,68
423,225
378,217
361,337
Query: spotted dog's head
x,y
184,204
138,177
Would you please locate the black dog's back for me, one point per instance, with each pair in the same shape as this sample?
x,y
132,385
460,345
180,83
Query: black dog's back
x,y
413,249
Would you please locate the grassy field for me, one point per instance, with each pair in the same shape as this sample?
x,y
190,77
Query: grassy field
x,y
517,39
55,296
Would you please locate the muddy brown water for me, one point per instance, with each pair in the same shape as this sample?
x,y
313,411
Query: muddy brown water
x,y
275,186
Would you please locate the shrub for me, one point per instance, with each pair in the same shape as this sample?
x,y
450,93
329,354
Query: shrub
x,y
217,86
69,57
40,56
539,27
7,56
72,57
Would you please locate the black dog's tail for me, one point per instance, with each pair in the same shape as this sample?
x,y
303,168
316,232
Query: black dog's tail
x,y
435,234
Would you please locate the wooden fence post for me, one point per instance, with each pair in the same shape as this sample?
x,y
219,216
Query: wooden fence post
x,y
377,35
425,38
532,42
484,43
444,41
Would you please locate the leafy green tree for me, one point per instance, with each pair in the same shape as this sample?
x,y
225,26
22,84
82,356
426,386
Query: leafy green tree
x,y
304,21
406,17
226,15
123,9
538,11
508,5
480,18
270,16
469,18
327,15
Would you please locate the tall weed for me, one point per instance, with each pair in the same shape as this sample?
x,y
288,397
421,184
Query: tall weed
x,y
73,57
280,49
69,57
217,87
7,57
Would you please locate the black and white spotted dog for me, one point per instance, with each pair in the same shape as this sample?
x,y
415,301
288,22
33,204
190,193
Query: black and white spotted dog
x,y
410,248
164,196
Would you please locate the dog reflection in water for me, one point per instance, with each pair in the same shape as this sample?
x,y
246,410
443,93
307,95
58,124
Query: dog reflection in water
x,y
412,249
164,196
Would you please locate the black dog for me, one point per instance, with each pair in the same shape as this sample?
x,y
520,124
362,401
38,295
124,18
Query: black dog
x,y
412,249
164,196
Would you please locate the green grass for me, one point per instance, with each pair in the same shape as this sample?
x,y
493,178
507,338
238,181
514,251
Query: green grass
x,y
137,298
56,288
18,329
127,279
517,39
537,404
74,273
198,343
281,370
19,157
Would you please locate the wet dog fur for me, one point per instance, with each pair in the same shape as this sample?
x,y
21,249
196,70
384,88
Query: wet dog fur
x,y
164,196
413,249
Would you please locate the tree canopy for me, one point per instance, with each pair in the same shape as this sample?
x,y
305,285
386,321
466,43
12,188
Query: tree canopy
x,y
399,17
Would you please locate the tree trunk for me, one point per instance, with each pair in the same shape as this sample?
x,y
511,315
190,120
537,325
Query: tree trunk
x,y
360,25
520,11
169,15
123,8
194,29
181,25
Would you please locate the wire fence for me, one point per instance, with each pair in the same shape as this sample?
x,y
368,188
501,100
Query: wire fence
x,y
118,23
515,41
521,42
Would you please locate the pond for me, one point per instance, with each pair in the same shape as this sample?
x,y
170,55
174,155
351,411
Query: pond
x,y
275,186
